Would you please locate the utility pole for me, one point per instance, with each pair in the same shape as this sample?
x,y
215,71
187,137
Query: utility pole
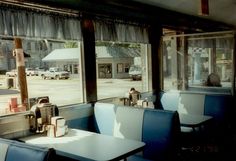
x,y
20,64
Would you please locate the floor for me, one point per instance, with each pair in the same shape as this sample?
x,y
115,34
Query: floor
x,y
211,149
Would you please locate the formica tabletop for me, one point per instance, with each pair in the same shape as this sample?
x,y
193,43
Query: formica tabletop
x,y
85,145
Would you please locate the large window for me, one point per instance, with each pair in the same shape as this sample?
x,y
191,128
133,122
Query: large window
x,y
121,44
113,68
198,62
50,42
54,72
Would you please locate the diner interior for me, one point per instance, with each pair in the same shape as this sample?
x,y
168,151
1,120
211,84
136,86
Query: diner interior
x,y
177,104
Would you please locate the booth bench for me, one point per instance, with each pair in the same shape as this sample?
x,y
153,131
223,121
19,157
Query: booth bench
x,y
159,129
219,106
12,150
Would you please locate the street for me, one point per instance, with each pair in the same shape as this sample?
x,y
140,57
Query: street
x,y
65,92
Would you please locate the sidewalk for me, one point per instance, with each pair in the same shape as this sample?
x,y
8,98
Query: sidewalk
x,y
8,91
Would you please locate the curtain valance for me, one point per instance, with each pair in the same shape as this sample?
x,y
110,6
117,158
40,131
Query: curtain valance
x,y
39,25
121,32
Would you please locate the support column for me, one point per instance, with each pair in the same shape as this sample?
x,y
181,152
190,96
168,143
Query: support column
x,y
214,56
234,69
155,39
185,64
197,65
88,48
20,64
181,66
174,62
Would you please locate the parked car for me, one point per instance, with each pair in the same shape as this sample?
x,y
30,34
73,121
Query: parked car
x,y
55,73
31,72
12,73
40,71
135,72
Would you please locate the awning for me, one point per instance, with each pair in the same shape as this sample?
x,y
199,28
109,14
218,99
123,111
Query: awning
x,y
67,54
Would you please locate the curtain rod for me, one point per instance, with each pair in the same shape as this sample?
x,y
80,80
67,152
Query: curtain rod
x,y
11,38
212,37
119,21
38,7
109,19
202,34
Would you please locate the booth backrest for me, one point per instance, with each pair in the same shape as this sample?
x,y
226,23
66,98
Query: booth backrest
x,y
12,150
159,129
193,103
169,100
219,106
105,117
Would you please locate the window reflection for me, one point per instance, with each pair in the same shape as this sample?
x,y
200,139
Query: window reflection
x,y
188,60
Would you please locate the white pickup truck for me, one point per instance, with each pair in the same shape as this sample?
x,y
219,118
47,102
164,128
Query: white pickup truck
x,y
31,72
55,73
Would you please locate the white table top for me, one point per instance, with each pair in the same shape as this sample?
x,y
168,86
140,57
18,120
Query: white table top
x,y
189,120
84,145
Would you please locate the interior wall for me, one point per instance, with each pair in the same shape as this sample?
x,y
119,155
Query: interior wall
x,y
77,116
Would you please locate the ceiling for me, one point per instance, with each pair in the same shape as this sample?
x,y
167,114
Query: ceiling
x,y
219,10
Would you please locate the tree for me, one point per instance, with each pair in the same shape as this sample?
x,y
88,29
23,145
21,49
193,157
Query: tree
x,y
71,44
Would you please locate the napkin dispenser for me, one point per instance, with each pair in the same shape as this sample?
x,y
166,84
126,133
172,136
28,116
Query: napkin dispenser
x,y
57,127
42,113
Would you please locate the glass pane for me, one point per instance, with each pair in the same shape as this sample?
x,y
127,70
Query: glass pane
x,y
120,66
198,62
198,65
210,60
52,70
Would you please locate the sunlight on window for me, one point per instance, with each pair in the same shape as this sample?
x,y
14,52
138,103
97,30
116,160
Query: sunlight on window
x,y
52,70
115,69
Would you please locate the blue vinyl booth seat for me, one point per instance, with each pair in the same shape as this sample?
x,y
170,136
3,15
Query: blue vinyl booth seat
x,y
219,106
161,134
159,129
12,150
